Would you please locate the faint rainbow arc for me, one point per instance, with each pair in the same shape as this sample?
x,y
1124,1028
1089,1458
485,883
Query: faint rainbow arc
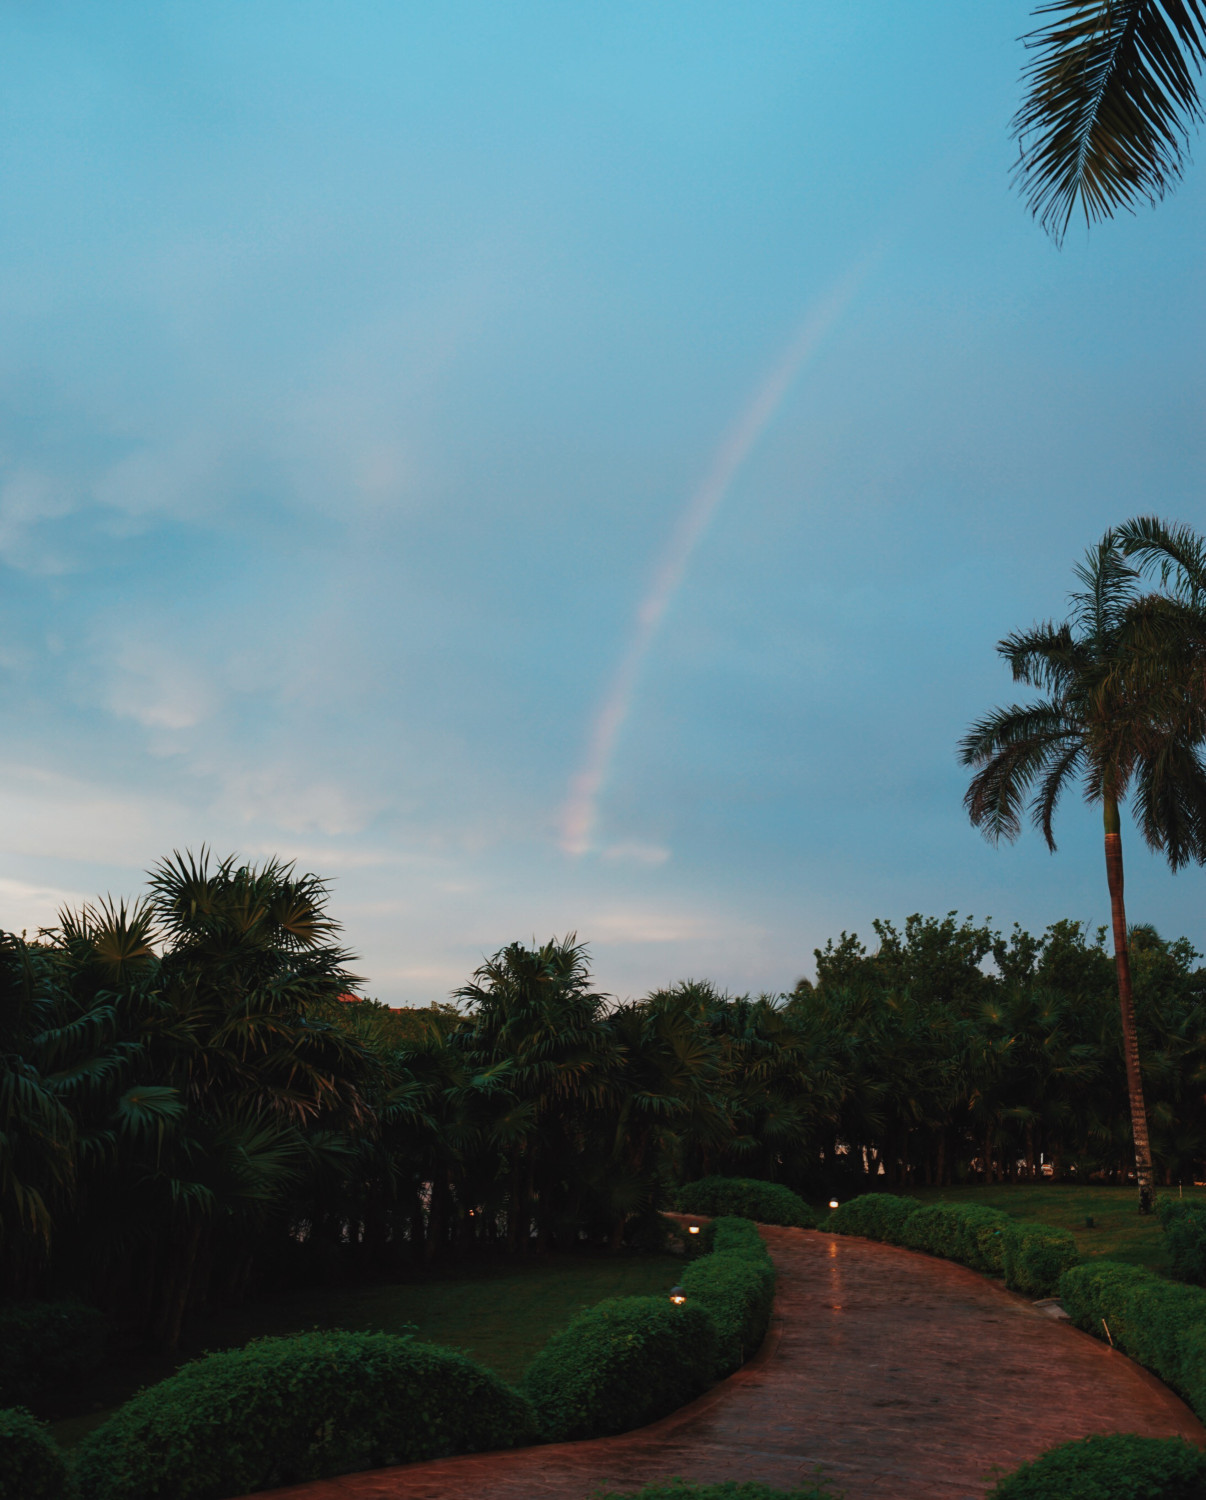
x,y
580,812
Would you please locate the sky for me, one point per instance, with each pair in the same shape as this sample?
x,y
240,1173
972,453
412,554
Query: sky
x,y
556,467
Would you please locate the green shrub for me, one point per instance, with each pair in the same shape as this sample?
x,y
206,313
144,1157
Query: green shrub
x,y
1120,1466
621,1364
284,1410
1036,1256
764,1202
876,1216
738,1288
47,1349
31,1465
678,1489
1159,1323
965,1232
1184,1226
732,1234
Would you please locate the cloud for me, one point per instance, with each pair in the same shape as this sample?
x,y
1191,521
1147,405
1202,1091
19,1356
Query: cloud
x,y
26,907
635,853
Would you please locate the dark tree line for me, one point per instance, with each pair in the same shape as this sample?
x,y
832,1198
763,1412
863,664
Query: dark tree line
x,y
191,1109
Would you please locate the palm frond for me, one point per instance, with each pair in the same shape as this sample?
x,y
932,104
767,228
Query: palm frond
x,y
1111,98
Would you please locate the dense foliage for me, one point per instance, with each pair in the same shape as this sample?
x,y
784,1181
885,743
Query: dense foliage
x,y
631,1360
1117,1466
1159,1323
286,1410
31,1465
736,1284
1184,1225
1031,1257
191,1107
621,1364
764,1202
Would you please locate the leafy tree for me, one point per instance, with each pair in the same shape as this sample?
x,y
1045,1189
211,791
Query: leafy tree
x,y
1118,728
1111,96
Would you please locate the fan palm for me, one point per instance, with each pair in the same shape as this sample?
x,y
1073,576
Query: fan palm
x,y
1111,96
1116,726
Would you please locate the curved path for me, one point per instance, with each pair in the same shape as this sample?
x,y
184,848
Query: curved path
x,y
897,1376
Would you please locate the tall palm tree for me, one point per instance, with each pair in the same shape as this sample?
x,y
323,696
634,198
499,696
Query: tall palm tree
x,y
1116,727
1111,96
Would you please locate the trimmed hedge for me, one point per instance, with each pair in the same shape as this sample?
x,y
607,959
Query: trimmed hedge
x,y
31,1465
46,1348
1120,1466
1184,1226
1031,1257
633,1359
1036,1256
1159,1323
968,1233
621,1364
764,1202
284,1410
736,1284
876,1216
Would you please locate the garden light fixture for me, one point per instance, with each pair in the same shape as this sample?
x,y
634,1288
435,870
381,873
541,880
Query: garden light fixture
x,y
833,1203
692,1228
677,1295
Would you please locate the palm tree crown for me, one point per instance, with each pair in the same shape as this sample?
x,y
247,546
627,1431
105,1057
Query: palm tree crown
x,y
1111,97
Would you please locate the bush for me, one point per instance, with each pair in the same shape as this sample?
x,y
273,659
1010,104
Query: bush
x,y
619,1365
1159,1323
764,1202
284,1410
31,1465
47,1349
732,1234
876,1216
1120,1466
678,1489
1184,1226
965,1232
1036,1256
738,1288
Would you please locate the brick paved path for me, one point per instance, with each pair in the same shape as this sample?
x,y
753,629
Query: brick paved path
x,y
901,1377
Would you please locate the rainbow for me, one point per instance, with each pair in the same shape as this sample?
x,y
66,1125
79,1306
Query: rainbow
x,y
581,810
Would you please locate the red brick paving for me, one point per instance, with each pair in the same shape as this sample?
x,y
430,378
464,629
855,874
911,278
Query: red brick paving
x,y
897,1376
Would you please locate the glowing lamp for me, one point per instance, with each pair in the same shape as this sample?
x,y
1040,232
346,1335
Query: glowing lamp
x,y
833,1203
692,1228
677,1295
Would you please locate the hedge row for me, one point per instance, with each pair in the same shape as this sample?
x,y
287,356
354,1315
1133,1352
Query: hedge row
x,y
634,1359
1184,1224
285,1410
33,1467
1117,1466
1159,1323
1031,1257
764,1202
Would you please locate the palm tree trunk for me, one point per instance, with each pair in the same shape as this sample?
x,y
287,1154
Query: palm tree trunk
x,y
1126,1006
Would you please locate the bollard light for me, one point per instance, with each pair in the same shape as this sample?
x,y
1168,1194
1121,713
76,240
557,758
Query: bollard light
x,y
833,1203
677,1295
692,1228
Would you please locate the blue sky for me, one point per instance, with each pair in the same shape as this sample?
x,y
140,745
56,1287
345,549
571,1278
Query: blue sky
x,y
362,367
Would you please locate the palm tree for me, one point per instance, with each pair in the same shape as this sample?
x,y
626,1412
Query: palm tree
x,y
1116,726
1111,96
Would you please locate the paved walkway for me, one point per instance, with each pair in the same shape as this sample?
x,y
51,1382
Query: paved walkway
x,y
898,1376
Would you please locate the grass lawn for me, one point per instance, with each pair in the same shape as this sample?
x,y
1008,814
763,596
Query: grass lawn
x,y
499,1313
1118,1233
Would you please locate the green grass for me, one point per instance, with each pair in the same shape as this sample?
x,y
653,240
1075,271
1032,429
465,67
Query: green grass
x,y
500,1314
1118,1232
